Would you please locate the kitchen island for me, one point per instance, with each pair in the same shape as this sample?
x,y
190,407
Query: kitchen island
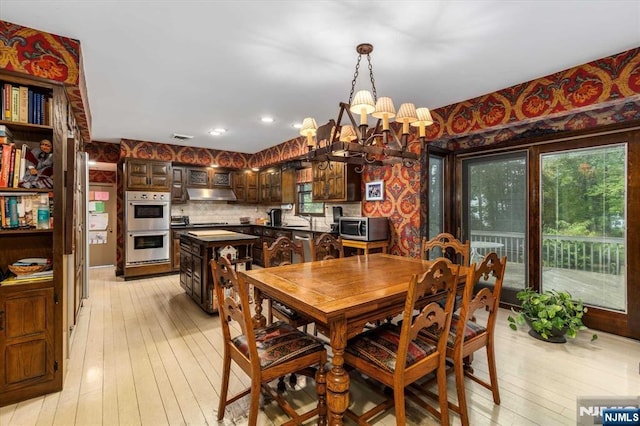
x,y
198,248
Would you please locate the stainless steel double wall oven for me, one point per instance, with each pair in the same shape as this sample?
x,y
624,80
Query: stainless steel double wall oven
x,y
148,223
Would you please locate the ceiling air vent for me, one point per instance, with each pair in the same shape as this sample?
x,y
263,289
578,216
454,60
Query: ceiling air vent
x,y
180,137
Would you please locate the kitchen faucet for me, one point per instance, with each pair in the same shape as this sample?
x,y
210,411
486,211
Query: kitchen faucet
x,y
308,219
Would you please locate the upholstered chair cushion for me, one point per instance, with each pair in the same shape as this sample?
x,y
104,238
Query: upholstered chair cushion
x,y
380,346
278,343
471,330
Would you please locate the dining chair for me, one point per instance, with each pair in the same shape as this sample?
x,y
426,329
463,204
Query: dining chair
x,y
264,354
449,246
326,246
467,335
278,254
397,355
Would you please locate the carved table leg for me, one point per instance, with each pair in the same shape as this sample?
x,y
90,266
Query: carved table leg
x,y
337,378
259,320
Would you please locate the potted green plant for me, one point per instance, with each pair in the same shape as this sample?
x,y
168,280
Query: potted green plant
x,y
551,315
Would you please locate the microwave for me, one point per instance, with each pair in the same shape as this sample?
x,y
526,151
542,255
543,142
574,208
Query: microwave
x,y
364,228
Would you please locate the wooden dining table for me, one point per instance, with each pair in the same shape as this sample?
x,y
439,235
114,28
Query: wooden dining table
x,y
341,296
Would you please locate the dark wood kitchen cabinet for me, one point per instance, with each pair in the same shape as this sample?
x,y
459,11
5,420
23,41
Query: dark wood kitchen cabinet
x,y
337,182
245,186
270,184
209,177
196,254
277,186
148,175
178,185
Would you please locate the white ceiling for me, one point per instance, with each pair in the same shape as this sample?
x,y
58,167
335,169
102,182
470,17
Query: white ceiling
x,y
154,68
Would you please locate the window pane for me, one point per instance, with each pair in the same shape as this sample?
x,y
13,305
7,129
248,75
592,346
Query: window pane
x,y
583,224
305,201
495,211
436,190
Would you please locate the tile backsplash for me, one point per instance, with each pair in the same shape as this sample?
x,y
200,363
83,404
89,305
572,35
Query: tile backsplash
x,y
221,211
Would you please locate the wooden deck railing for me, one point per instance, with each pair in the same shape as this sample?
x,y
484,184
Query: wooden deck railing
x,y
590,254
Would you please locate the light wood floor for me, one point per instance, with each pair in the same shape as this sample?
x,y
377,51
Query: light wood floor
x,y
143,353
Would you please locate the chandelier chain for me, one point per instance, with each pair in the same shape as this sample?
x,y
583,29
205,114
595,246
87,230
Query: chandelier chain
x,y
373,80
355,78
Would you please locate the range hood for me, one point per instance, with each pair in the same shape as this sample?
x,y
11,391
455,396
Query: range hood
x,y
215,194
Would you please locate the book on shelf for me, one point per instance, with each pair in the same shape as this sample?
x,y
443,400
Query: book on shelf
x,y
6,101
21,211
16,168
12,167
23,163
5,165
19,279
15,103
23,108
5,135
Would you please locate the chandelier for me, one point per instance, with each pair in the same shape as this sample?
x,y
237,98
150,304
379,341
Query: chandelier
x,y
357,143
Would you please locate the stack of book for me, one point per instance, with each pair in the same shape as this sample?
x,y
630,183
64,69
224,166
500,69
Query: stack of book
x,y
21,211
22,104
12,160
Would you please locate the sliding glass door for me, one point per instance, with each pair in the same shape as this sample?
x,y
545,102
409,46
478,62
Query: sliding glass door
x,y
583,223
494,213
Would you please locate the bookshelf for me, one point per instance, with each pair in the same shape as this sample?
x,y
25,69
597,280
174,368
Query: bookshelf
x,y
31,310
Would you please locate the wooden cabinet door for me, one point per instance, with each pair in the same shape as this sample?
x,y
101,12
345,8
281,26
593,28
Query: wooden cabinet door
x,y
319,189
160,176
197,177
175,264
264,186
178,188
275,192
148,175
335,177
186,268
137,174
251,187
337,182
239,185
221,178
288,186
197,279
26,339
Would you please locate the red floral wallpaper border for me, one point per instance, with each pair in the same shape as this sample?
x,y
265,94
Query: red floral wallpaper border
x,y
51,57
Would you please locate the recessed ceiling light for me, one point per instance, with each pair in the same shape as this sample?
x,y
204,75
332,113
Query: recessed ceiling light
x,y
214,133
267,119
297,125
220,130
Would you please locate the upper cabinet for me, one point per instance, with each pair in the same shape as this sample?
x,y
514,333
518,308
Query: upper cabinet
x,y
148,175
178,185
270,184
337,182
276,185
245,186
208,177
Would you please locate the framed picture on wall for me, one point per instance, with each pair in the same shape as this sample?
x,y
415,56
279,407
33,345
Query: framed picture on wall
x,y
374,191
